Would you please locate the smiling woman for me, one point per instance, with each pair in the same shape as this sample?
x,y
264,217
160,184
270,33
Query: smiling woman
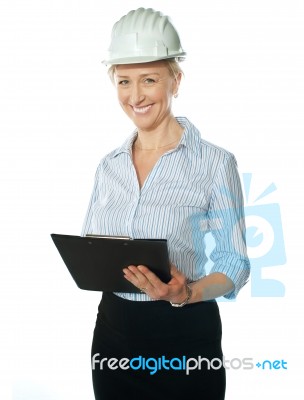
x,y
164,182
145,93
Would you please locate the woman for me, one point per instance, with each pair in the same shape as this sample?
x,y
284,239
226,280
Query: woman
x,y
164,182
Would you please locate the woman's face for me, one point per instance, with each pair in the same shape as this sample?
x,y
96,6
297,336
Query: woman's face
x,y
145,93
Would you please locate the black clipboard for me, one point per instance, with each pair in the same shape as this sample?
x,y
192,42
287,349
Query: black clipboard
x,y
96,262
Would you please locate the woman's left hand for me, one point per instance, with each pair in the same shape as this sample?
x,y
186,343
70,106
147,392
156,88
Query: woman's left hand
x,y
145,280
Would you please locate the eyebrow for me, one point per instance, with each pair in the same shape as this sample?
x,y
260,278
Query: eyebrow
x,y
141,75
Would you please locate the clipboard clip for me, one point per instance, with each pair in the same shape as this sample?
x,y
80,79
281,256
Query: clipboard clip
x,y
109,237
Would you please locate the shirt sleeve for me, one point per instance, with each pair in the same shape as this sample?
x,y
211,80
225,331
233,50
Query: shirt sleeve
x,y
226,223
88,227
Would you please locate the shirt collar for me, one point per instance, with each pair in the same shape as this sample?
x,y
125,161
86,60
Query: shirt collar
x,y
191,138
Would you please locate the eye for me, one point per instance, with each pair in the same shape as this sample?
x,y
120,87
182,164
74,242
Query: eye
x,y
149,81
123,82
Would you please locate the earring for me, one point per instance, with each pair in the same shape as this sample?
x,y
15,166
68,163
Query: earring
x,y
175,95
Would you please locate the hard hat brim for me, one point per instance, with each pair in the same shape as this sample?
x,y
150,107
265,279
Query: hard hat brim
x,y
144,59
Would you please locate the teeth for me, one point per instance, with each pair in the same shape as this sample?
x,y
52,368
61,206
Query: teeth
x,y
141,110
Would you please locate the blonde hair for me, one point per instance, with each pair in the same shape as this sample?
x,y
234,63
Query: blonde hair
x,y
172,65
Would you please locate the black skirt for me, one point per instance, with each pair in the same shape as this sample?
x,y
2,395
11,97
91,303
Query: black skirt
x,y
151,350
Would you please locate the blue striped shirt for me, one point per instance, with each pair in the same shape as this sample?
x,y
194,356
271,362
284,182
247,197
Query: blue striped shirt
x,y
192,190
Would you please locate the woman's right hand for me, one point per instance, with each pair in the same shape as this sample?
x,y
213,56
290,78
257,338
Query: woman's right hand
x,y
174,291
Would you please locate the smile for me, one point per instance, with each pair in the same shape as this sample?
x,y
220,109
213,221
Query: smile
x,y
142,110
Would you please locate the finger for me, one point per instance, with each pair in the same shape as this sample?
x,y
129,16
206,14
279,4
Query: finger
x,y
131,274
136,277
177,274
173,269
156,289
153,279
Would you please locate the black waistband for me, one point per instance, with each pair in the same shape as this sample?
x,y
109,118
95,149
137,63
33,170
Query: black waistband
x,y
144,319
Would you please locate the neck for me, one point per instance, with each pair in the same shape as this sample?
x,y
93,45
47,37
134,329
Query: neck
x,y
163,137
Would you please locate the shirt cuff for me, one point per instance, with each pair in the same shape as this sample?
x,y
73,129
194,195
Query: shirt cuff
x,y
237,269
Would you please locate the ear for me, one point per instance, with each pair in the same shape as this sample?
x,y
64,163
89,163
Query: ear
x,y
176,83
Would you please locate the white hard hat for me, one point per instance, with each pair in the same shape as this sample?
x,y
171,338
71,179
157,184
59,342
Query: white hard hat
x,y
143,35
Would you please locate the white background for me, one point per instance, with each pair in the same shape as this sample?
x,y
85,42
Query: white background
x,y
243,88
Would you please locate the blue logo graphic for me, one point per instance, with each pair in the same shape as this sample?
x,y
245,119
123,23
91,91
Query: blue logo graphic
x,y
265,241
264,237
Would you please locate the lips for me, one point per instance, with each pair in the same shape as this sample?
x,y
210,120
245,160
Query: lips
x,y
142,110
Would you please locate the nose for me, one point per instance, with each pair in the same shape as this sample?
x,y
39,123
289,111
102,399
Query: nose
x,y
136,96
